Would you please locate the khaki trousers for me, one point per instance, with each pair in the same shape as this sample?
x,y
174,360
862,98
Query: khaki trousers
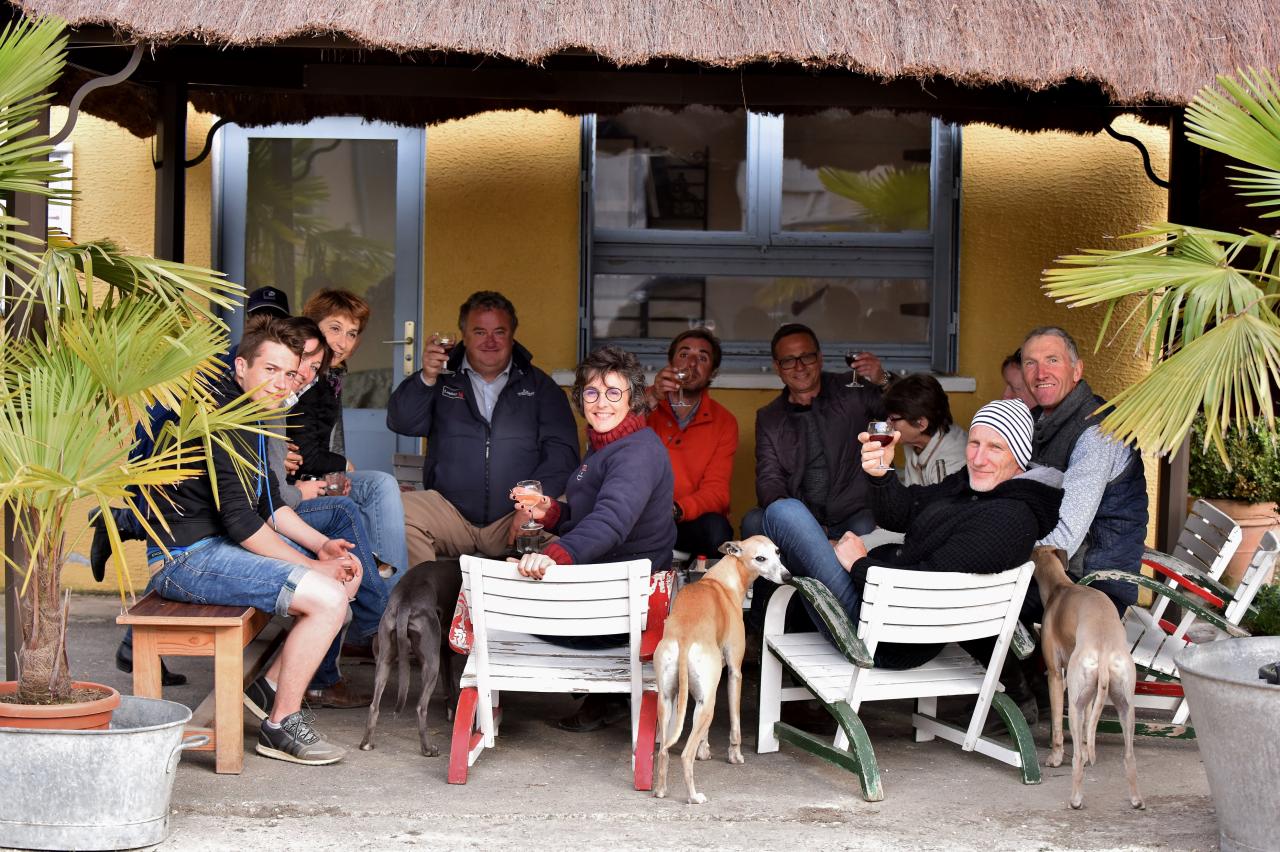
x,y
434,529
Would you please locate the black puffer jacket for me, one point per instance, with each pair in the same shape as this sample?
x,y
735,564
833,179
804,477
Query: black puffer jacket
x,y
951,527
474,462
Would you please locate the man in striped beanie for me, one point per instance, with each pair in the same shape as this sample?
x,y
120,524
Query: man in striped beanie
x,y
990,461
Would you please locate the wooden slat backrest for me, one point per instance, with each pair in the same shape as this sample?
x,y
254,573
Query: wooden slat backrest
x,y
1208,540
572,600
926,606
1264,560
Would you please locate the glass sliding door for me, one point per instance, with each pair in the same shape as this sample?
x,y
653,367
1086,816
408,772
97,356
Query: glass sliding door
x,y
334,203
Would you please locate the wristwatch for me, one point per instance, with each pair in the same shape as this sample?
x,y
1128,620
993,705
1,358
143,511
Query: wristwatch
x,y
885,378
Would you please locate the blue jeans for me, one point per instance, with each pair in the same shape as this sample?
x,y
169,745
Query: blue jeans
x,y
377,495
224,573
807,552
755,523
339,517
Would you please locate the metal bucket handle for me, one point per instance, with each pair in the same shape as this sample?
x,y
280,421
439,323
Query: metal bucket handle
x,y
193,741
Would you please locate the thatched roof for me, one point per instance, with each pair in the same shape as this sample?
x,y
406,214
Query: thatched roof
x,y
1140,52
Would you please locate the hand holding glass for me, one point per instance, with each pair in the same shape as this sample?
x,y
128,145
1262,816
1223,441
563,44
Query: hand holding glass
x,y
446,341
528,493
681,376
881,432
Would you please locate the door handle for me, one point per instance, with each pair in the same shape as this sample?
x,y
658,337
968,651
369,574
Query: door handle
x,y
407,343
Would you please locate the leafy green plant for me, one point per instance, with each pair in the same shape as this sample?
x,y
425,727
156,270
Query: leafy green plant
x,y
91,336
1264,618
1254,475
888,198
1206,300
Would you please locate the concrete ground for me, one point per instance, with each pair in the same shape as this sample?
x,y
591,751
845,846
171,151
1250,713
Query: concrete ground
x,y
542,788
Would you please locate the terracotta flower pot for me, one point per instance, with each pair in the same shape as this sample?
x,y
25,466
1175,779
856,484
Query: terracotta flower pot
x,y
85,716
1255,519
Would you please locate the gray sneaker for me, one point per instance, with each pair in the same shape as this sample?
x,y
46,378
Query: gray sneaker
x,y
297,742
259,697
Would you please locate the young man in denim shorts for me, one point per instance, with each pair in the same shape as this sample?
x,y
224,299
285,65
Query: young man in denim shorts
x,y
248,548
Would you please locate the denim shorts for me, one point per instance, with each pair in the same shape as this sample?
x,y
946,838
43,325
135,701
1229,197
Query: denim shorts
x,y
223,573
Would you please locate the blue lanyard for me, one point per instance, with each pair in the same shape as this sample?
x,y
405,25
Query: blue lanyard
x,y
262,475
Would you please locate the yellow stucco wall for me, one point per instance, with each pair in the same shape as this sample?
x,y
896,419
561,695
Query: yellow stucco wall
x,y
502,213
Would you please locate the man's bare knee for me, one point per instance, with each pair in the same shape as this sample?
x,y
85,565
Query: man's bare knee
x,y
319,595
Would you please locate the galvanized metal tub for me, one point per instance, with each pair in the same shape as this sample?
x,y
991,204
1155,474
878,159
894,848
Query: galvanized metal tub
x,y
104,789
1237,716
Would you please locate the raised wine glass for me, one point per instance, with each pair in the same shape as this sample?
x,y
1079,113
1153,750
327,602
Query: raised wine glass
x,y
881,432
849,358
528,492
681,375
445,340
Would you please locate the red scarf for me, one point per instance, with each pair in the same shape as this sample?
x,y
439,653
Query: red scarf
x,y
630,424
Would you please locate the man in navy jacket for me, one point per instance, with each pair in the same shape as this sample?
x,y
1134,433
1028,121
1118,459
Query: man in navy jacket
x,y
491,419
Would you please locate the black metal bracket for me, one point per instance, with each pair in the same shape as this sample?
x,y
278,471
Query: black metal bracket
x,y
73,109
1146,155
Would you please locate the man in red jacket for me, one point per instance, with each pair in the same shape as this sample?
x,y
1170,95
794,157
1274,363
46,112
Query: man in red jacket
x,y
701,437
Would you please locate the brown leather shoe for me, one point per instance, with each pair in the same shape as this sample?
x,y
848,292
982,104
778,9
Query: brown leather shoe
x,y
341,696
357,653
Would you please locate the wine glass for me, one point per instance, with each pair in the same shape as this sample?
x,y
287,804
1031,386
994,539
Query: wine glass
x,y
881,432
446,340
681,376
528,492
849,358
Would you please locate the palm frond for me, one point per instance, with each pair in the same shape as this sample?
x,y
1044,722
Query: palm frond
x,y
1243,123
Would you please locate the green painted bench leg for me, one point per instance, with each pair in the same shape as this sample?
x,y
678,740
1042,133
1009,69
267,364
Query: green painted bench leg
x,y
859,758
1017,725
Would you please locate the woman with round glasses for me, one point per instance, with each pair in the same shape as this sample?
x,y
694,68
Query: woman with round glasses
x,y
617,506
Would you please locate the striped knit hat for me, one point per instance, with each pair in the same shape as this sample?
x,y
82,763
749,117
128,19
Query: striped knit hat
x,y
1012,419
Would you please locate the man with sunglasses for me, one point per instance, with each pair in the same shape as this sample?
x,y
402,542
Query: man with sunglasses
x,y
807,438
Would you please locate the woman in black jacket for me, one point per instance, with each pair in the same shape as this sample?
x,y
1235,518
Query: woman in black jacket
x,y
983,519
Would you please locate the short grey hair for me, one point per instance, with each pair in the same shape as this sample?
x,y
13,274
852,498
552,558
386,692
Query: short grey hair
x,y
611,359
1055,331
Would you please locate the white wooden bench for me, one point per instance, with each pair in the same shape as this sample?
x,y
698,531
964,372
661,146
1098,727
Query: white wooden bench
x,y
912,607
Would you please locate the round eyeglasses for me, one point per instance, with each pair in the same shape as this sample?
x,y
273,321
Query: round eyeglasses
x,y
611,394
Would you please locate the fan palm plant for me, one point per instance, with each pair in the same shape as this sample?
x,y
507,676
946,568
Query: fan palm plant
x,y
91,337
1207,299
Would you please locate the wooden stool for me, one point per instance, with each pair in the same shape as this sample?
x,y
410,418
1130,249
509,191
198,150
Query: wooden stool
x,y
172,629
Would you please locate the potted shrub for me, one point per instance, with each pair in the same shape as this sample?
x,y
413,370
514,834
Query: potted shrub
x,y
91,336
1209,301
1247,491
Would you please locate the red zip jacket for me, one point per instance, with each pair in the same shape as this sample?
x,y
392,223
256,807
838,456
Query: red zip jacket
x,y
701,455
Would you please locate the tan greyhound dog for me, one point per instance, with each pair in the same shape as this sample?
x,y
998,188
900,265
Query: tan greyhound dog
x,y
1082,634
703,632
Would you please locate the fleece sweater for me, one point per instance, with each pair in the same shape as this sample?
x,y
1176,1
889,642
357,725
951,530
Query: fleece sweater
x,y
617,504
701,455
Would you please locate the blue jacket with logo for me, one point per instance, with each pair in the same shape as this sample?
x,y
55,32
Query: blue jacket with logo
x,y
474,463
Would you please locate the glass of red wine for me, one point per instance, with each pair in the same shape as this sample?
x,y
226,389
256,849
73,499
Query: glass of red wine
x,y
881,432
849,358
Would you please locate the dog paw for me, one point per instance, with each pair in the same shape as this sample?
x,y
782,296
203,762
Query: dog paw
x,y
1054,759
704,752
735,757
431,751
660,793
1077,802
698,799
366,746
1138,804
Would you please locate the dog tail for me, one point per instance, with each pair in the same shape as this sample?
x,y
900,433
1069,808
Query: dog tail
x,y
402,655
1095,711
682,690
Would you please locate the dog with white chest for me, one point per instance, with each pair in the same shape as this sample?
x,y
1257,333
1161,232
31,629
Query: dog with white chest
x,y
703,633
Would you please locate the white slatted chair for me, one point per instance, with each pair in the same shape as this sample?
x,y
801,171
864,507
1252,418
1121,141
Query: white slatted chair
x,y
913,607
1208,540
1154,648
510,612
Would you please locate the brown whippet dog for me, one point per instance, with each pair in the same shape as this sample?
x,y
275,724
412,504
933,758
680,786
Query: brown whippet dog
x,y
703,632
1082,634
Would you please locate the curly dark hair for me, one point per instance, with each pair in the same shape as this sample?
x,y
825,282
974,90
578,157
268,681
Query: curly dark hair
x,y
611,359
